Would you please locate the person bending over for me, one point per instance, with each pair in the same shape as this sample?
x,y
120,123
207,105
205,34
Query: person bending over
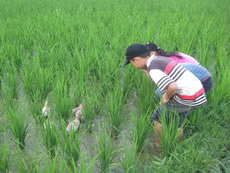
x,y
183,92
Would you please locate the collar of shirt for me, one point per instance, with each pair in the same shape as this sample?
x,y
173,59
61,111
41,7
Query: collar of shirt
x,y
150,60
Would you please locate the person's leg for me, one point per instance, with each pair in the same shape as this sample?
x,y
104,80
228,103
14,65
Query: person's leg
x,y
180,130
158,134
180,133
158,128
170,107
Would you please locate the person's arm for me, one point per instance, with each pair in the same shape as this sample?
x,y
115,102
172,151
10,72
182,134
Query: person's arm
x,y
164,82
169,93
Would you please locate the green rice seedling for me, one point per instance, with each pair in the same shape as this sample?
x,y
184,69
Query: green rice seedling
x,y
109,75
9,85
130,157
49,135
145,93
126,84
160,165
27,164
71,146
55,165
141,130
4,159
194,119
114,102
90,111
86,164
223,95
105,148
63,102
170,131
18,126
91,106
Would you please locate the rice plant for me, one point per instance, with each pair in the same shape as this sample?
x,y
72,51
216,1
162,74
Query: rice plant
x,y
4,159
145,93
141,130
55,165
105,148
49,135
126,80
71,146
130,158
86,164
92,105
170,132
27,164
90,112
9,86
114,102
63,102
18,126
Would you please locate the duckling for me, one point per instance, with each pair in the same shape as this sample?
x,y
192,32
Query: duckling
x,y
74,125
45,110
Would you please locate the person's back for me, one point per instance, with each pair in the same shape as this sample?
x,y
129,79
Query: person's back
x,y
164,71
184,58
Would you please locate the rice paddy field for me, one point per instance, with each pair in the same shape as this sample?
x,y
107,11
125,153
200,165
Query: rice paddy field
x,y
70,52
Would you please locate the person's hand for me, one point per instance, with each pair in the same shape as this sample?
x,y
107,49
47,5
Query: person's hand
x,y
146,72
164,98
171,91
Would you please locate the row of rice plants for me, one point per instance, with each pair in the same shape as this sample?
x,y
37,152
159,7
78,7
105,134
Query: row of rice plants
x,y
129,157
18,126
142,128
114,101
9,85
50,139
91,109
71,147
105,147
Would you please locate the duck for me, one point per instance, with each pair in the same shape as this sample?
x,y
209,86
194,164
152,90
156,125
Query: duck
x,y
74,125
45,110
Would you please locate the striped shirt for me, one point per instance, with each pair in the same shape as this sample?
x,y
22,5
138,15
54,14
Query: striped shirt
x,y
164,71
200,72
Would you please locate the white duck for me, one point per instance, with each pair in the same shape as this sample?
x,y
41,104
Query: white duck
x,y
74,125
45,110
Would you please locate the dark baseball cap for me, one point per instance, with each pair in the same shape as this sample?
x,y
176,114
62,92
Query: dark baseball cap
x,y
133,51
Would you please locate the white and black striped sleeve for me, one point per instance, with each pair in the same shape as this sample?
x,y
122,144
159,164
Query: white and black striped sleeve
x,y
161,79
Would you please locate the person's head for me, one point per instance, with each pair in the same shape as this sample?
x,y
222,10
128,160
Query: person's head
x,y
153,48
156,50
137,55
